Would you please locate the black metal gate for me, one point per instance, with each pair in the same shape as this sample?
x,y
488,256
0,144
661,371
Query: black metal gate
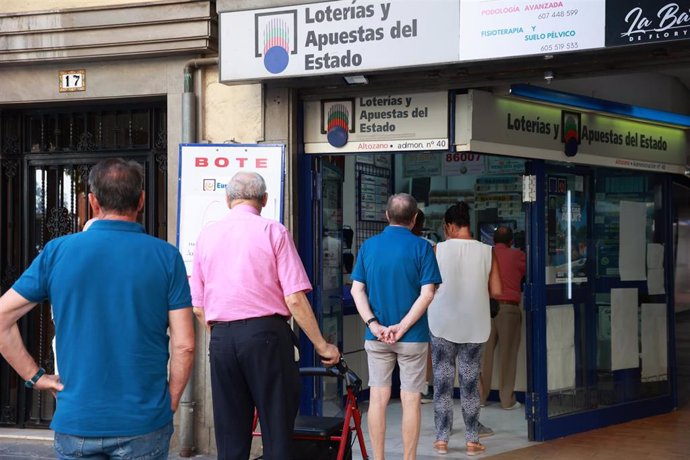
x,y
45,158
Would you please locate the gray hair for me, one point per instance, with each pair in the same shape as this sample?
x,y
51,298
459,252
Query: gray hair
x,y
246,186
117,184
402,209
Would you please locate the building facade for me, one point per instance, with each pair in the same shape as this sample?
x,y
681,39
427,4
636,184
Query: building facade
x,y
91,79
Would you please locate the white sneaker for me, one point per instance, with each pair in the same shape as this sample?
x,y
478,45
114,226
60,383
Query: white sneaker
x,y
517,405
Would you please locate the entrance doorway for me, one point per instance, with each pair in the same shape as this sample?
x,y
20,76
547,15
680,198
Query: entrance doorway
x,y
45,158
491,184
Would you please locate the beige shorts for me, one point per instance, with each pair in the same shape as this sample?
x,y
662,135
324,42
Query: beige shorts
x,y
411,358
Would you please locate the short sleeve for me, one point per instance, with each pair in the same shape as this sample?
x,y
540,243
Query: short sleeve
x,y
179,295
293,278
430,273
32,284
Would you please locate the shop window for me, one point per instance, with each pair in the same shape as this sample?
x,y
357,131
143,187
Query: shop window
x,y
631,299
491,185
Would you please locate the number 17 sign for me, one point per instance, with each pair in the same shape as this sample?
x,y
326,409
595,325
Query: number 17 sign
x,y
72,80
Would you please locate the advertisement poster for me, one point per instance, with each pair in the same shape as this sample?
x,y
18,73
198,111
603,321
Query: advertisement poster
x,y
421,165
205,170
567,233
506,28
607,226
373,197
504,165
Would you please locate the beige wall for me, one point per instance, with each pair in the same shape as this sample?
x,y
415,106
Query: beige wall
x,y
228,113
24,6
231,113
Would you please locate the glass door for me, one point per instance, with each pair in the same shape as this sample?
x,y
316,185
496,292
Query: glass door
x,y
328,282
564,317
599,331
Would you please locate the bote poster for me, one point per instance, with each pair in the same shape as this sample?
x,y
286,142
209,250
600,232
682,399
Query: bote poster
x,y
205,170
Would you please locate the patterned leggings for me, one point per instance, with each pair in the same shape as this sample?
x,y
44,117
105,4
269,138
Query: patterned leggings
x,y
444,355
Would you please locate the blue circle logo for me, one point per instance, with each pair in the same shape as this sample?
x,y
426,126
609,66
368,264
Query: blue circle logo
x,y
337,136
276,59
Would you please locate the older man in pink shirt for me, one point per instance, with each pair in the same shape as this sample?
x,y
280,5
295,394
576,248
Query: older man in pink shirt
x,y
247,280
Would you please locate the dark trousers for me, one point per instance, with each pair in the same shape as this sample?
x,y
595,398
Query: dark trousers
x,y
253,365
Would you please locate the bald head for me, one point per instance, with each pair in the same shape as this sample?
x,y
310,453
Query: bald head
x,y
401,209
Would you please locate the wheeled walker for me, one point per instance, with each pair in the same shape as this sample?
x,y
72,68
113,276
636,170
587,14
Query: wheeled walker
x,y
329,438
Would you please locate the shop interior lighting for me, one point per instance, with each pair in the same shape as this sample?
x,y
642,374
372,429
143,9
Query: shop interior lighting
x,y
599,105
356,80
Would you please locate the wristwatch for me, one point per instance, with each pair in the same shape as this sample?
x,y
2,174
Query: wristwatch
x,y
32,381
371,320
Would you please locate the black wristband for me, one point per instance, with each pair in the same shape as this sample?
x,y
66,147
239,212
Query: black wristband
x,y
30,383
371,320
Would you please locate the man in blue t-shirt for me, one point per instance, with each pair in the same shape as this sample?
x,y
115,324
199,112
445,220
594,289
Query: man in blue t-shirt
x,y
394,281
115,293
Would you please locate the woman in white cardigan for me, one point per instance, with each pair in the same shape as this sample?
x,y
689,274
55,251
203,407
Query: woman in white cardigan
x,y
460,322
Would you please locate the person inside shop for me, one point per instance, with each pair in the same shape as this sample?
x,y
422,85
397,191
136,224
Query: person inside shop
x,y
247,281
460,322
418,228
393,282
506,326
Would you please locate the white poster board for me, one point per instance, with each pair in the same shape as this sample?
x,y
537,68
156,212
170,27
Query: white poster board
x,y
632,241
205,170
654,341
560,347
625,352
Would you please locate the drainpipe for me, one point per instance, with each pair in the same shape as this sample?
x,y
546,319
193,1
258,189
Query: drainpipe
x,y
189,135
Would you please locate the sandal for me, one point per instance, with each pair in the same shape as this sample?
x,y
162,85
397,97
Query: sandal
x,y
441,447
475,448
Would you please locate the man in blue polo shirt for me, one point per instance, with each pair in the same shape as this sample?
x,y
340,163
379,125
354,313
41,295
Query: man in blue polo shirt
x,y
115,293
394,281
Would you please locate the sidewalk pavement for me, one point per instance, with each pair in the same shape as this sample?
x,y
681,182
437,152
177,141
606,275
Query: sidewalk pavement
x,y
23,444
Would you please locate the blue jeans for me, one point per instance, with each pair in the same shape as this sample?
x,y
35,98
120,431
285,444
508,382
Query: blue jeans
x,y
149,446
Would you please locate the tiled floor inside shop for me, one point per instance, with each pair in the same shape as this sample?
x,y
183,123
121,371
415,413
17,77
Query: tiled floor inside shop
x,y
510,429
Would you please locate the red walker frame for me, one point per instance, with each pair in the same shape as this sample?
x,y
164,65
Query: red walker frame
x,y
352,419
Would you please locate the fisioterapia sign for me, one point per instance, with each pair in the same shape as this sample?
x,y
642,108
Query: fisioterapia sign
x,y
337,37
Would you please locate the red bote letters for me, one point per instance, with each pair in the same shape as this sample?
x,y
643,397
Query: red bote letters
x,y
224,162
